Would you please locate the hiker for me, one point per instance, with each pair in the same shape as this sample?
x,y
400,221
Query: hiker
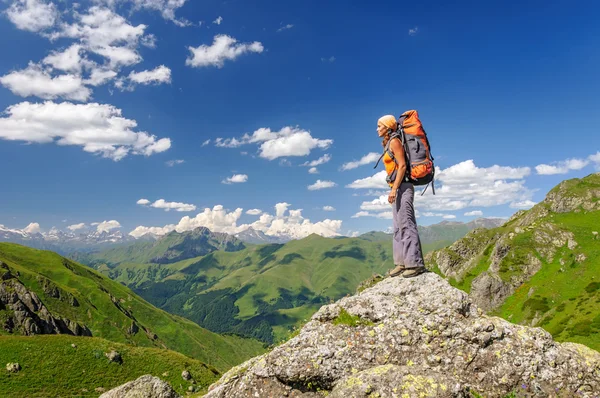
x,y
408,256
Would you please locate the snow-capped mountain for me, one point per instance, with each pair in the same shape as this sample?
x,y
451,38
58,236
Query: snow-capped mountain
x,y
64,241
253,236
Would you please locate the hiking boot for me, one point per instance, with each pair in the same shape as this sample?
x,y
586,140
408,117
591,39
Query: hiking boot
x,y
410,272
397,271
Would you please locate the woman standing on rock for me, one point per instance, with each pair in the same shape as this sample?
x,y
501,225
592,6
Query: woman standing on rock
x,y
408,256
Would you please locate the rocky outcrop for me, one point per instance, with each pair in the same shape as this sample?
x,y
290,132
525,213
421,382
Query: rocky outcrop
x,y
27,314
414,337
145,386
562,199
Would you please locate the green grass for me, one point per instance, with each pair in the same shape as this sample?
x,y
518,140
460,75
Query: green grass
x,y
107,319
51,367
344,318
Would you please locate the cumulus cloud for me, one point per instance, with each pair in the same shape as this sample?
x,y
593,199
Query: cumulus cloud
x,y
167,9
35,81
159,75
322,160
32,228
102,31
328,60
68,60
167,206
77,227
371,157
328,208
313,170
32,15
218,21
289,141
285,223
596,159
321,185
106,226
205,143
224,48
474,213
97,128
254,212
466,185
413,31
379,204
385,215
376,181
236,178
562,167
173,162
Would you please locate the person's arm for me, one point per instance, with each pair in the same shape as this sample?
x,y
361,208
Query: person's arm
x,y
398,151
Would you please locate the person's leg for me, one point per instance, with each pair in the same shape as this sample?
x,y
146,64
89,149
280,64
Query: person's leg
x,y
409,234
396,239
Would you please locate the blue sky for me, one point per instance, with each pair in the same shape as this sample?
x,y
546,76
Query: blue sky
x,y
503,84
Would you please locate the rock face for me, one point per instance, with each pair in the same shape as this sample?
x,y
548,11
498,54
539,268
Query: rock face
x,y
415,337
27,314
13,367
144,387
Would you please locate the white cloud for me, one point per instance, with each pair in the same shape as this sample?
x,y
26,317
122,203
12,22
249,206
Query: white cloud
x,y
32,15
218,20
285,223
158,75
313,170
448,216
168,206
474,213
107,226
32,228
143,202
254,212
562,167
76,227
68,60
172,163
223,48
167,9
106,33
289,141
285,27
595,158
321,185
328,208
205,143
525,204
322,160
466,185
35,81
388,215
376,181
235,179
329,60
371,157
379,204
148,40
413,31
98,128
100,76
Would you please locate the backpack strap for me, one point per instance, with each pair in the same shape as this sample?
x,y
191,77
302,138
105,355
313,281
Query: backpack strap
x,y
387,149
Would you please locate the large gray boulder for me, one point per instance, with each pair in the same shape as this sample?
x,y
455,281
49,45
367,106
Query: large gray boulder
x,y
146,386
414,337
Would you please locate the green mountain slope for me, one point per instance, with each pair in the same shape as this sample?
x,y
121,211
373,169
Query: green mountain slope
x,y
262,291
542,268
52,367
42,292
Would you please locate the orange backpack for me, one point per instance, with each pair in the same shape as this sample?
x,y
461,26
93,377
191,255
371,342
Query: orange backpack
x,y
420,169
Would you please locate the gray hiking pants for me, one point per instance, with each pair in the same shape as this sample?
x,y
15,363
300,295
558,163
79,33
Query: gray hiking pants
x,y
406,242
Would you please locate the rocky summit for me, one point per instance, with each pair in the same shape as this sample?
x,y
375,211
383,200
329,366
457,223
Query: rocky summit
x,y
417,337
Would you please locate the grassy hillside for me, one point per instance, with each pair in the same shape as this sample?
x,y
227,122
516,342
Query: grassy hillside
x,y
51,367
262,291
542,268
112,311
